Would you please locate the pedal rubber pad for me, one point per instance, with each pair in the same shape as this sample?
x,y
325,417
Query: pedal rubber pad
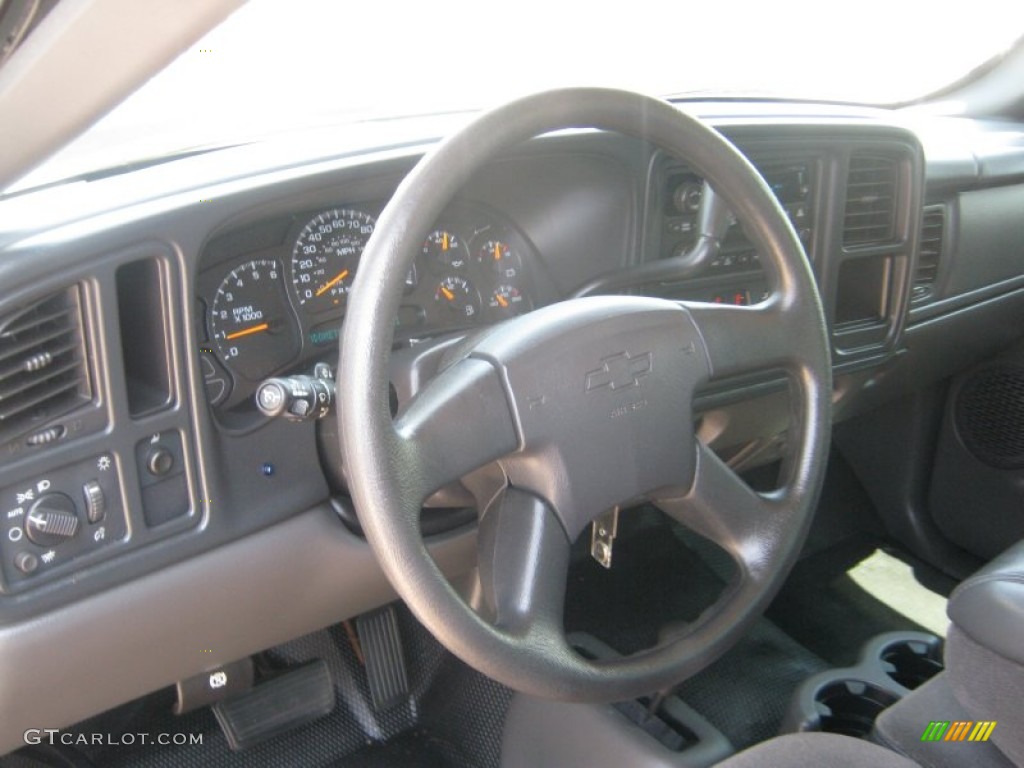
x,y
285,702
381,643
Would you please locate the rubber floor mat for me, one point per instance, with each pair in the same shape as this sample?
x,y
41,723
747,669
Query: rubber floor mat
x,y
661,575
453,718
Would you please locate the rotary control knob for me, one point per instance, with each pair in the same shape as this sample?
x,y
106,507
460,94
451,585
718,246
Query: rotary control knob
x,y
52,520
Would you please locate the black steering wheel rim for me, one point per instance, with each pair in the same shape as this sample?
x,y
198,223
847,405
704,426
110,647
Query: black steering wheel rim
x,y
391,467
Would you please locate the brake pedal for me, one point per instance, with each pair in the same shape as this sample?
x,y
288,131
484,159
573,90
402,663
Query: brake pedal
x,y
290,700
381,642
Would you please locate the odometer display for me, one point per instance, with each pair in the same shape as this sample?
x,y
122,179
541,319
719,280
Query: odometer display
x,y
326,256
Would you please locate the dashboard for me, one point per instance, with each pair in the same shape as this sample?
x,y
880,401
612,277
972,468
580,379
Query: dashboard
x,y
274,295
140,313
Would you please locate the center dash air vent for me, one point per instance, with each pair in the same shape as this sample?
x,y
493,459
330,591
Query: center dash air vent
x,y
933,225
42,363
870,200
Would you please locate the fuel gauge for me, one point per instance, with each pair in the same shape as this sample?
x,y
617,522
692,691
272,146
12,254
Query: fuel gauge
x,y
458,296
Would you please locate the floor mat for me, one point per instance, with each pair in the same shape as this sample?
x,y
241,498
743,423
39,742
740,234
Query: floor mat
x,y
838,599
746,692
453,718
662,574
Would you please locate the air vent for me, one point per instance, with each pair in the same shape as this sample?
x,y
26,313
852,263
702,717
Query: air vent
x,y
42,364
870,200
933,226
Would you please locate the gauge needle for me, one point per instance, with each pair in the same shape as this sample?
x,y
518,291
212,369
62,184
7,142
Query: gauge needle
x,y
447,294
332,282
497,252
248,331
501,299
444,241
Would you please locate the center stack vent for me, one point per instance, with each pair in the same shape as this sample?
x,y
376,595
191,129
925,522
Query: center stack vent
x,y
870,216
43,373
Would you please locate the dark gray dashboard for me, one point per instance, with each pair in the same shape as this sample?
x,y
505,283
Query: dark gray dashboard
x,y
916,248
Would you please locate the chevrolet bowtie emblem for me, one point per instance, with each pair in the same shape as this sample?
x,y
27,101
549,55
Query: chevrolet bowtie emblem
x,y
620,371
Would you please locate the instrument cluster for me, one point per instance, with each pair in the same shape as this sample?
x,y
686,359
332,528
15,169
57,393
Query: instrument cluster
x,y
271,309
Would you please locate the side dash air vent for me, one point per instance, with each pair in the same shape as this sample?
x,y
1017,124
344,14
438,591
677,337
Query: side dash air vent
x,y
933,227
870,200
42,363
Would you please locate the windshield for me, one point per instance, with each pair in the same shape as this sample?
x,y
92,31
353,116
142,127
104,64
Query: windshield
x,y
274,66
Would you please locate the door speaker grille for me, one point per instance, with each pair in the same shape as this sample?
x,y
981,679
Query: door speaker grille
x,y
990,414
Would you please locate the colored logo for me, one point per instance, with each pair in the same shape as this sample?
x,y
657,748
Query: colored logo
x,y
958,730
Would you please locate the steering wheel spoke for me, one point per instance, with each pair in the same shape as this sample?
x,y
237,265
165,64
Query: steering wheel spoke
x,y
743,340
523,560
457,423
724,509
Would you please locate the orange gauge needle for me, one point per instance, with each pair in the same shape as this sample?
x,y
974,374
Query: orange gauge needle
x,y
444,241
501,300
332,282
497,252
447,294
248,331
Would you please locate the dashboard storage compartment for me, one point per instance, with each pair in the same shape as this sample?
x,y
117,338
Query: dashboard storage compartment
x,y
862,293
145,346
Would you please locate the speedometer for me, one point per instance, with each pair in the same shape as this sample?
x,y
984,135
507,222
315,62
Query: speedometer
x,y
326,256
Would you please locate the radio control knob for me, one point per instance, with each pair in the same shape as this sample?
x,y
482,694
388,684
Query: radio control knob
x,y
52,520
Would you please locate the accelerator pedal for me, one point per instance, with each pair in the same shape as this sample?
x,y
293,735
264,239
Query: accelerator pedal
x,y
381,643
288,701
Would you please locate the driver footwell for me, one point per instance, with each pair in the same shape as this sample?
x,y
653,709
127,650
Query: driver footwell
x,y
452,719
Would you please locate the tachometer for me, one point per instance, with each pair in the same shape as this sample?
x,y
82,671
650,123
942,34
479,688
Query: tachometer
x,y
326,256
251,322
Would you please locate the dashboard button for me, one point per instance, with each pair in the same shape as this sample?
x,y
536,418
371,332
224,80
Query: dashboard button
x,y
159,461
299,408
26,562
95,501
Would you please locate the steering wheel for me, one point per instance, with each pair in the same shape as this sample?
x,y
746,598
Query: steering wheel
x,y
564,413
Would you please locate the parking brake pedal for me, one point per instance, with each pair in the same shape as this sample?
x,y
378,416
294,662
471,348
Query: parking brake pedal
x,y
290,700
381,644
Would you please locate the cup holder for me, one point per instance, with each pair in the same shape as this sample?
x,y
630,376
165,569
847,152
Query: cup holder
x,y
849,707
911,663
848,700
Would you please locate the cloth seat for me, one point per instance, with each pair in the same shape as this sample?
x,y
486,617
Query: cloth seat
x,y
817,750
